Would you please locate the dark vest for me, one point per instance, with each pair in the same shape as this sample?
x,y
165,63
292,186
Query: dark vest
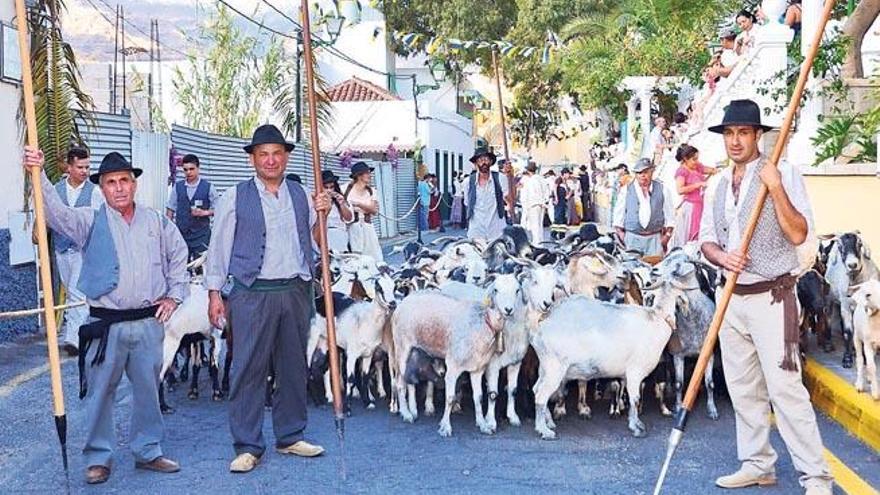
x,y
631,215
63,243
472,195
190,226
249,244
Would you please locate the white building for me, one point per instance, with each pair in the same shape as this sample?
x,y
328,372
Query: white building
x,y
383,99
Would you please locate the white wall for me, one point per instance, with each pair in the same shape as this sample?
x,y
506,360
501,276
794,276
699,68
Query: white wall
x,y
10,140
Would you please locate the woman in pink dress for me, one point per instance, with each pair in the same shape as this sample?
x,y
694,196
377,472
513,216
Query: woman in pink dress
x,y
690,180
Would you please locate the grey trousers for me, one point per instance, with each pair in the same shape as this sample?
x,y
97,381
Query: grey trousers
x,y
649,245
269,327
136,349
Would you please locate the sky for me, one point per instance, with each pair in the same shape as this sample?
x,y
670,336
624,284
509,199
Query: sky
x,y
88,24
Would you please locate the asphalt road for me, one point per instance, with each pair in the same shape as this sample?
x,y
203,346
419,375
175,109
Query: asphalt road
x,y
380,452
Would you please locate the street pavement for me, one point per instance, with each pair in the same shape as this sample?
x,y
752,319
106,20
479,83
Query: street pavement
x,y
380,452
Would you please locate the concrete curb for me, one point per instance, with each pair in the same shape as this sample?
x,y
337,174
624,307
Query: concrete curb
x,y
837,398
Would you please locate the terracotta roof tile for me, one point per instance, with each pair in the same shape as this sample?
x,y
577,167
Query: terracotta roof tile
x,y
356,89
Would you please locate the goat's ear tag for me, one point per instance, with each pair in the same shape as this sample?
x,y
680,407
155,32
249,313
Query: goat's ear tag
x,y
595,264
486,302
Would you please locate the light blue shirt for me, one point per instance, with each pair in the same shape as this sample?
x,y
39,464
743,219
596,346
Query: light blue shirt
x,y
425,194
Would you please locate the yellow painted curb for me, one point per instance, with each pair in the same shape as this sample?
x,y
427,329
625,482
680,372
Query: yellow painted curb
x,y
836,397
846,478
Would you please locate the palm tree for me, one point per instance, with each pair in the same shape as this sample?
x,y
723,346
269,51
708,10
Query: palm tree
x,y
58,95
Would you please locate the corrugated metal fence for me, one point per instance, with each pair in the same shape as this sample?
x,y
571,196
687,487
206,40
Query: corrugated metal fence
x,y
224,163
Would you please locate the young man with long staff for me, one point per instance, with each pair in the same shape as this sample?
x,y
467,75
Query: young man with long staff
x,y
780,234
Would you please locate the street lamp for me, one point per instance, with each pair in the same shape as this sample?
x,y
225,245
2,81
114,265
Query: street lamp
x,y
438,71
333,26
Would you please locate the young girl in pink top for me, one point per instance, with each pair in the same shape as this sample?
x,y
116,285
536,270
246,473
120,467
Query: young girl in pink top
x,y
690,180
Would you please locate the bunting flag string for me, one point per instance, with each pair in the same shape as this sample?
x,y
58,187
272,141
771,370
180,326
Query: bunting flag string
x,y
504,48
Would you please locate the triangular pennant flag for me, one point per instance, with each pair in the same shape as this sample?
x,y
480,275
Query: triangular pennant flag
x,y
545,55
433,45
454,43
527,52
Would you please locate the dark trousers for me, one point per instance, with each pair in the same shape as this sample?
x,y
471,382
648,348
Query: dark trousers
x,y
271,326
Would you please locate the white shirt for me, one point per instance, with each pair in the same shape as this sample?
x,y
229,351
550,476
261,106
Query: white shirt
x,y
281,256
729,58
533,192
171,204
795,188
74,192
485,223
644,206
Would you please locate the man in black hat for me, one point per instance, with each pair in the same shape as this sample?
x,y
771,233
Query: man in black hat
x,y
133,276
644,214
759,335
262,246
485,198
191,205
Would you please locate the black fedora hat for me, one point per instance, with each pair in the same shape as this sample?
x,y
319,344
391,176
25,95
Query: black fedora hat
x,y
360,168
114,162
741,112
267,134
327,176
483,151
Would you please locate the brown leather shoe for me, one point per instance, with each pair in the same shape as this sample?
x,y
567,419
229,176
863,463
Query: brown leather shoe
x,y
97,474
160,464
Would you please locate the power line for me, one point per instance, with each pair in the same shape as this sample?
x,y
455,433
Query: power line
x,y
135,27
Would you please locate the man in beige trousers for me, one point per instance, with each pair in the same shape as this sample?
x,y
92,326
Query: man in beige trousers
x,y
759,333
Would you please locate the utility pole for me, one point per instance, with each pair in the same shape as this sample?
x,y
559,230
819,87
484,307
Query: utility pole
x,y
115,61
299,112
122,26
150,80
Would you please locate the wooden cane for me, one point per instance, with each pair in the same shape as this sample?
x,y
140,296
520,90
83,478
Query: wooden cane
x,y
511,190
723,302
322,223
42,239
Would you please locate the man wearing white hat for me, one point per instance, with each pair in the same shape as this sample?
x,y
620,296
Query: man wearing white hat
x,y
644,215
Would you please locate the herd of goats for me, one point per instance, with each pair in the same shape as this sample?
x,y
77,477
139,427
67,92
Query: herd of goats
x,y
578,309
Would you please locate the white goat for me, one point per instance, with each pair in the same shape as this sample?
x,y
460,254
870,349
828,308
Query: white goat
x,y
866,334
538,287
461,332
583,339
359,331
191,317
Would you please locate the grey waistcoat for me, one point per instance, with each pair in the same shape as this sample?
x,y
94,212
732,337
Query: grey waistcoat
x,y
771,253
63,243
631,215
249,244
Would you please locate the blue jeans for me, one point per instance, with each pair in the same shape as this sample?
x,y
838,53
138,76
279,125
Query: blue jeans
x,y
423,217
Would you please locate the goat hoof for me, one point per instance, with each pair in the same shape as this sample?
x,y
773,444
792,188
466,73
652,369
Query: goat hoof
x,y
445,431
192,395
217,396
847,361
429,411
514,421
407,418
456,408
713,415
371,406
166,409
548,435
639,430
488,428
665,412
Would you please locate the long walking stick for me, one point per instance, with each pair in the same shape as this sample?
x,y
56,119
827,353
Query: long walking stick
x,y
322,226
42,239
712,337
511,191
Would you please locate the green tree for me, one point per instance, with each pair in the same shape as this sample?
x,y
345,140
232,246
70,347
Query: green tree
x,y
58,96
637,37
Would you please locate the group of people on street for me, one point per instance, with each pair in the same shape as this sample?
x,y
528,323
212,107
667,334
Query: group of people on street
x,y
260,269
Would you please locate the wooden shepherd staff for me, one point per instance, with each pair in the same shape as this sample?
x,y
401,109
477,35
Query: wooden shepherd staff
x,y
511,190
42,239
721,308
322,224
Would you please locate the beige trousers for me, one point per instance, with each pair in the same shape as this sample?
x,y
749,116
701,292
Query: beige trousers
x,y
751,349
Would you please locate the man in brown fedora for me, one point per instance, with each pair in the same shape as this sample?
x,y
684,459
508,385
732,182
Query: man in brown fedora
x,y
262,249
133,276
759,335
